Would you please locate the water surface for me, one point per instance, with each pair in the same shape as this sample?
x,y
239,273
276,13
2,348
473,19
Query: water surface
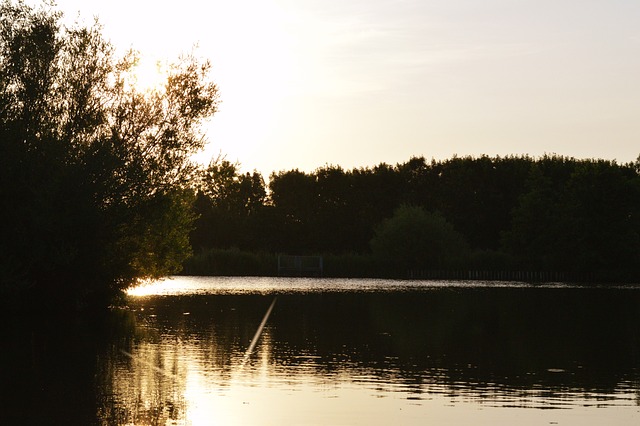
x,y
345,352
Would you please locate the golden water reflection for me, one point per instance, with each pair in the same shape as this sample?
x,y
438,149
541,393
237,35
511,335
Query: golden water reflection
x,y
442,356
200,394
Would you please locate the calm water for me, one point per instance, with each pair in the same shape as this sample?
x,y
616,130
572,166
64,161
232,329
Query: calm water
x,y
333,352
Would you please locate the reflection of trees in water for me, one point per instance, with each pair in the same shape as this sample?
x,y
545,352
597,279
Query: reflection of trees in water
x,y
57,372
147,377
500,338
504,346
149,386
480,344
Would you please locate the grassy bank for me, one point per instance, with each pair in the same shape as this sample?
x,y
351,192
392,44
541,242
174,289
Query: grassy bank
x,y
482,266
234,262
231,262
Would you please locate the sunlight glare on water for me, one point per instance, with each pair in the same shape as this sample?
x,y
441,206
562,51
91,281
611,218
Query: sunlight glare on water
x,y
194,285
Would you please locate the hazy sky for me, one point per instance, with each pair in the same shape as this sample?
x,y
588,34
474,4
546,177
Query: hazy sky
x,y
306,83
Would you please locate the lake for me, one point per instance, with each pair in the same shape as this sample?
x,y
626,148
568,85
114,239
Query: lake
x,y
297,351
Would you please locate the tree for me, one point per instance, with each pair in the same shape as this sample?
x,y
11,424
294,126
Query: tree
x,y
229,206
294,195
578,216
475,194
413,238
94,172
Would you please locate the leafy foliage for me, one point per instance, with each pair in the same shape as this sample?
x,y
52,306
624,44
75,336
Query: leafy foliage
x,y
413,238
578,216
94,172
229,206
548,214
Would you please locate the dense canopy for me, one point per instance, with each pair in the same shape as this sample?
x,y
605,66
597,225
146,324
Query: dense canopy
x,y
579,217
94,171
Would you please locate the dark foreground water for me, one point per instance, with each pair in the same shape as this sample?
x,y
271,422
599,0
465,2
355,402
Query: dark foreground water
x,y
332,352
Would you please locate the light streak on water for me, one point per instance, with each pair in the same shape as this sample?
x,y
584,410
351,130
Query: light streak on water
x,y
256,336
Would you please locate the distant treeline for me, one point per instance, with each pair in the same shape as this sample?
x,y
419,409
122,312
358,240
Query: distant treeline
x,y
515,213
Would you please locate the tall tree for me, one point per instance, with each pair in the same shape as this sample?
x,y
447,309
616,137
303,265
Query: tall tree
x,y
294,196
229,206
94,171
579,216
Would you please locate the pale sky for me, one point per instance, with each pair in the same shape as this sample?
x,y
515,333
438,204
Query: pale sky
x,y
306,83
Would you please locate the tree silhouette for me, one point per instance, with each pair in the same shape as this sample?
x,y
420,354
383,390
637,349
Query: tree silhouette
x,y
230,206
94,172
413,238
578,216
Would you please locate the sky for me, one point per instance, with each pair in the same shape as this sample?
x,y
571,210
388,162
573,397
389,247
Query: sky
x,y
354,83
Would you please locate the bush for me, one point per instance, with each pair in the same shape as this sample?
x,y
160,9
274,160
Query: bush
x,y
416,239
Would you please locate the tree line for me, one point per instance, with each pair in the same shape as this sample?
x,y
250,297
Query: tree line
x,y
552,213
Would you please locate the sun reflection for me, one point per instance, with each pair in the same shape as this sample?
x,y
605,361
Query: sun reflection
x,y
169,285
204,407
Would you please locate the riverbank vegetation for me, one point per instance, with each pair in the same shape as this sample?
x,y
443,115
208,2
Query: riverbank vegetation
x,y
550,216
